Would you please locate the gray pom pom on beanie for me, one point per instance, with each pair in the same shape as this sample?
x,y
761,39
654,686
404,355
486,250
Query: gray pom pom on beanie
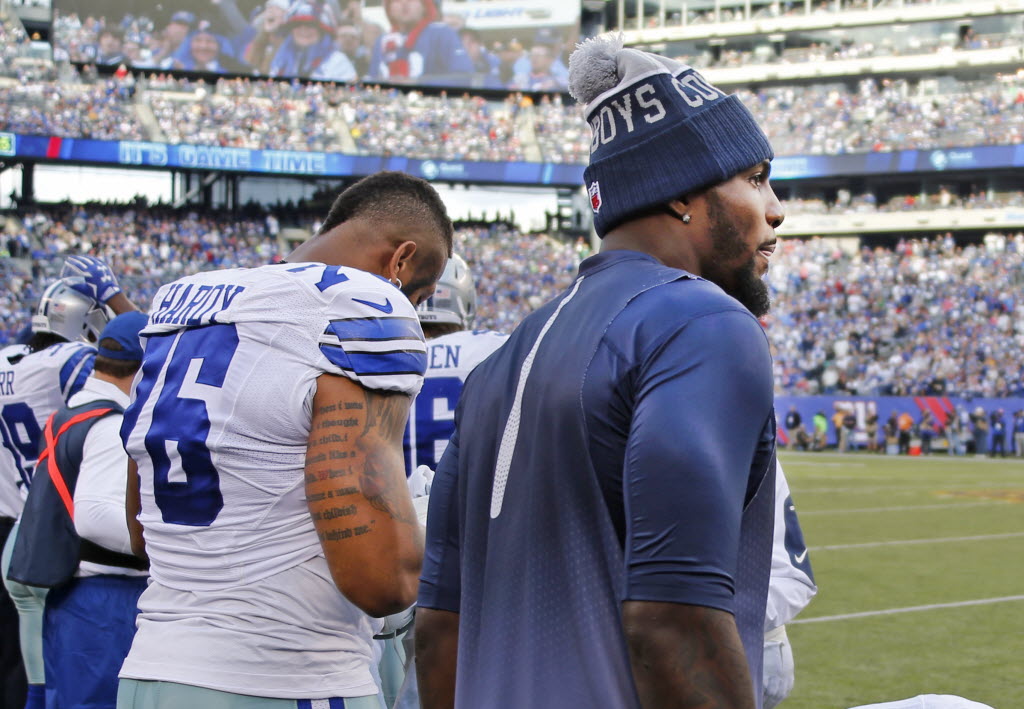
x,y
659,129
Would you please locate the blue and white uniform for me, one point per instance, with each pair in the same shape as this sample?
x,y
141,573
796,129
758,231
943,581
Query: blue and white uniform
x,y
792,582
33,386
241,598
450,359
619,446
790,590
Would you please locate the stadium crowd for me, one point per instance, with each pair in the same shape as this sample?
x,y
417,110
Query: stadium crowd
x,y
152,246
823,119
741,10
288,122
867,202
820,52
929,316
13,43
102,111
415,125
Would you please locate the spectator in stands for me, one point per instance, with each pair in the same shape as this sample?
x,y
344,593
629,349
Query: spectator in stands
x,y
134,53
108,47
205,51
173,35
369,32
309,50
267,36
419,48
540,76
509,54
350,41
552,39
485,64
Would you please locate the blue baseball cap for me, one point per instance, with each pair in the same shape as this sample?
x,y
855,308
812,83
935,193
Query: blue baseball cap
x,y
184,17
124,330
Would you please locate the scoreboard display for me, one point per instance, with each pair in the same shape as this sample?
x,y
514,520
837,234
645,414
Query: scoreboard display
x,y
480,44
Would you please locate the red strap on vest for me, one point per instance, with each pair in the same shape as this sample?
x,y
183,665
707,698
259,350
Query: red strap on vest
x,y
51,449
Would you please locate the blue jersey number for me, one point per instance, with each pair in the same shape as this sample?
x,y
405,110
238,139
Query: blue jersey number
x,y
185,420
24,451
435,417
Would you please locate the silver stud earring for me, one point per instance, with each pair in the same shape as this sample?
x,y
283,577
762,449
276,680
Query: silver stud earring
x,y
686,219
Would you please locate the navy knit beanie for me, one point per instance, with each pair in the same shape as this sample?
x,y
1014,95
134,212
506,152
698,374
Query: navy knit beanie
x,y
660,130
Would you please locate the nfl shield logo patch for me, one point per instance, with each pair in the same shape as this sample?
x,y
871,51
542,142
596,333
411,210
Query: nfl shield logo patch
x,y
595,196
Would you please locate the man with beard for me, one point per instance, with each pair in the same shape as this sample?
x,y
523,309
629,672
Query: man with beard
x,y
608,493
267,431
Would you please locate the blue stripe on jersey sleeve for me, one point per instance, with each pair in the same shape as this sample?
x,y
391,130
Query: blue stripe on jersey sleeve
x,y
377,363
68,370
355,329
83,374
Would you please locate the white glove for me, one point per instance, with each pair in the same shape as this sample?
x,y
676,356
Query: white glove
x,y
397,622
778,668
421,504
419,482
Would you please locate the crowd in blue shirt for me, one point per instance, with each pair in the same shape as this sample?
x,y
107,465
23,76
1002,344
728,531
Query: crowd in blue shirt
x,y
928,316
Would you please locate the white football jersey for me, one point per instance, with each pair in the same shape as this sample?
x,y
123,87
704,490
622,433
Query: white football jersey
x,y
791,586
450,359
219,429
33,386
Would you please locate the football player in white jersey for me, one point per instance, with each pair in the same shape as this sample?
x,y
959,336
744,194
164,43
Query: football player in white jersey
x,y
790,588
453,351
270,488
35,380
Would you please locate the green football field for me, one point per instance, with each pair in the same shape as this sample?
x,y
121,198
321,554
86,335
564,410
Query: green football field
x,y
920,571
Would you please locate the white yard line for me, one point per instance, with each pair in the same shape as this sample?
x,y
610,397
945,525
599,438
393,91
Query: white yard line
x,y
821,464
903,508
908,609
902,542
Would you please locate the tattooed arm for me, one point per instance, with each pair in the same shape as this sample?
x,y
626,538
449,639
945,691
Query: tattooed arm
x,y
357,495
686,656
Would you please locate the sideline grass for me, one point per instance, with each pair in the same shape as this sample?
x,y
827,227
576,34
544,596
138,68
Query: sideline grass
x,y
973,651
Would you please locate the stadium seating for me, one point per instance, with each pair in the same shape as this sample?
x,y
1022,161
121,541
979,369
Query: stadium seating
x,y
877,321
821,119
